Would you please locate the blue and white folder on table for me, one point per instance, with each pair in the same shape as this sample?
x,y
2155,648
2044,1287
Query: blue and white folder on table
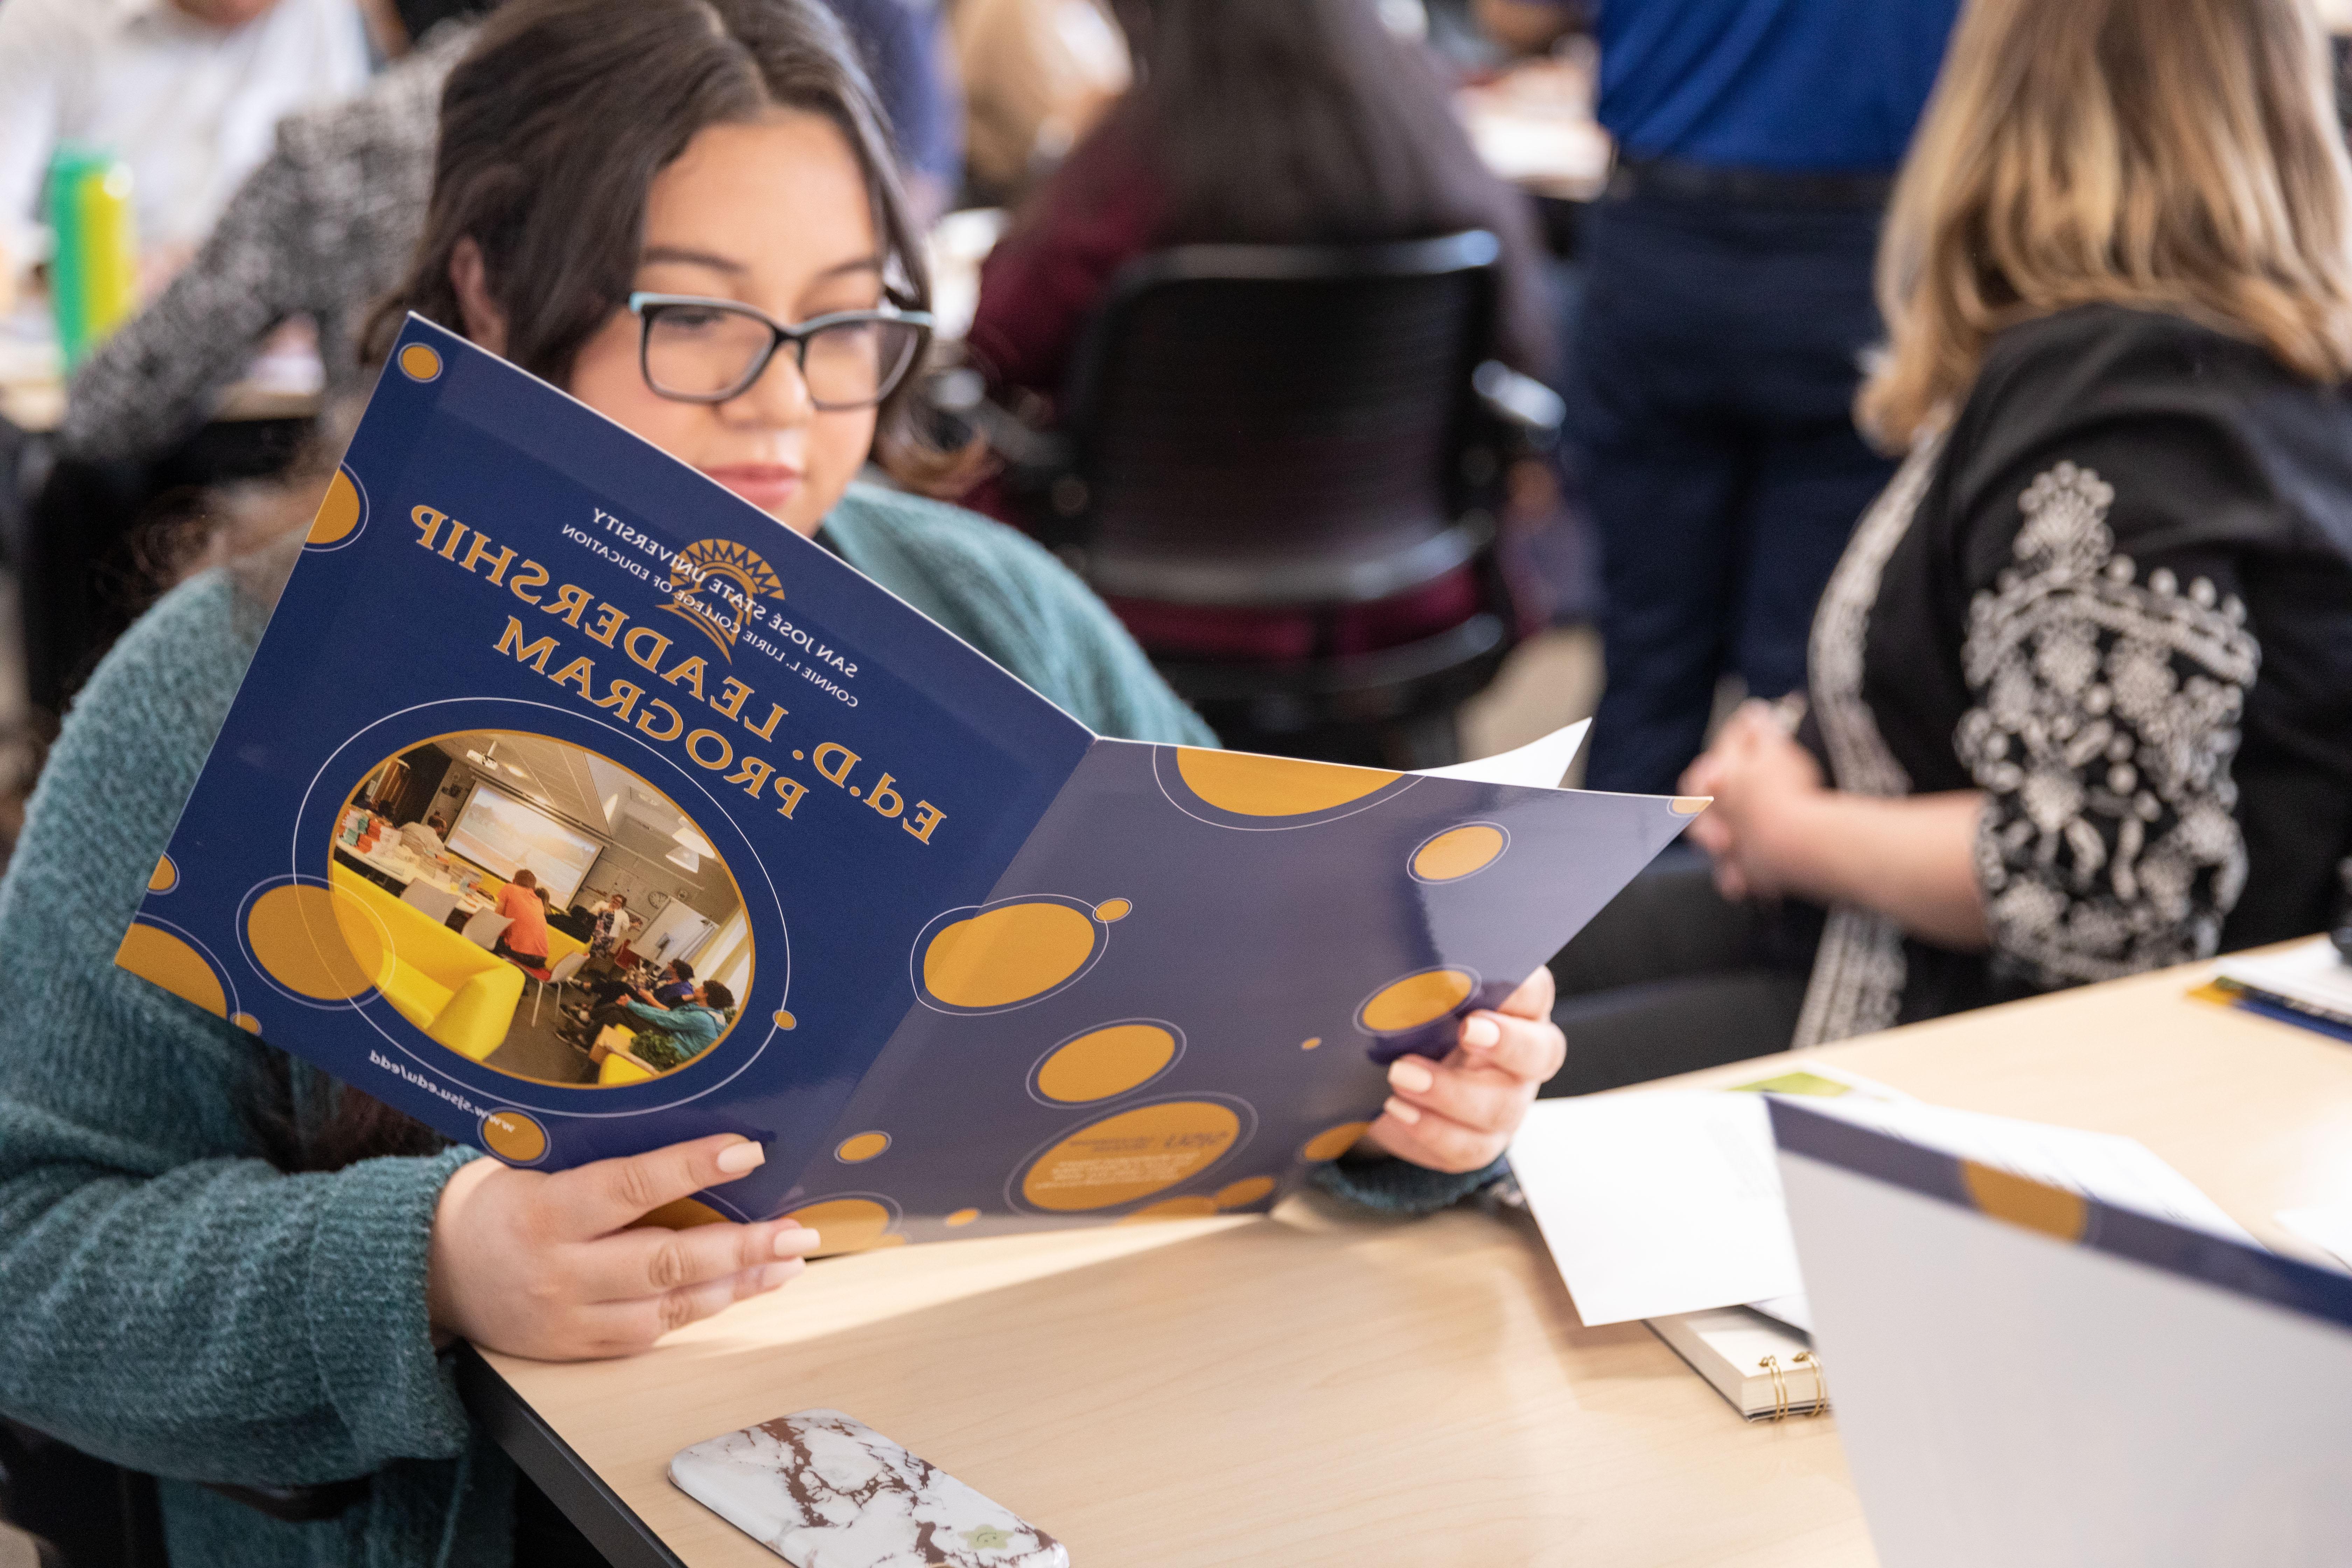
x,y
2027,1376
995,971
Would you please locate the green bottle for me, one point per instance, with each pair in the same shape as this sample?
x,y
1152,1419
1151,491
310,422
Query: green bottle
x,y
94,270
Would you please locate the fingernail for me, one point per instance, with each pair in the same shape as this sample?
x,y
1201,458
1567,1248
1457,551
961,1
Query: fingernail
x,y
1482,1033
775,1273
1407,1114
798,1239
1410,1075
738,1158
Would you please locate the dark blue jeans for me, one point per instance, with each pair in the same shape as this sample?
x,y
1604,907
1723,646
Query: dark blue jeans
x,y
1710,397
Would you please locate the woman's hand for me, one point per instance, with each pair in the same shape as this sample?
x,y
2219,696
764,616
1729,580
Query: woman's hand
x,y
544,1266
1762,782
1459,1114
1776,829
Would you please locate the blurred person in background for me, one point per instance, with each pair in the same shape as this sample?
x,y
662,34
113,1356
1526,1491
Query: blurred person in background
x,y
906,50
1036,75
1306,122
1727,304
186,93
317,232
2081,686
320,230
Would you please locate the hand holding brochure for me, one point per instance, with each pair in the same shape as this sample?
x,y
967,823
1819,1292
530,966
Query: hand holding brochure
x,y
987,969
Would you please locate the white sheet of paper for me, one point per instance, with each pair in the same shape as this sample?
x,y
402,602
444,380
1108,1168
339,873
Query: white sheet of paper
x,y
2312,973
2328,1227
1538,764
1656,1204
1670,1202
1793,1310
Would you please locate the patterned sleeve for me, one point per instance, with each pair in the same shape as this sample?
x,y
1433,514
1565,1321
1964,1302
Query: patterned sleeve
x,y
157,379
2106,696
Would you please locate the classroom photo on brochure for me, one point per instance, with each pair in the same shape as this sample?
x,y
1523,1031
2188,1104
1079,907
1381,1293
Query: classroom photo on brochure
x,y
540,909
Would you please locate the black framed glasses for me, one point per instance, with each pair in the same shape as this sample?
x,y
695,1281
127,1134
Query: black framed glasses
x,y
710,351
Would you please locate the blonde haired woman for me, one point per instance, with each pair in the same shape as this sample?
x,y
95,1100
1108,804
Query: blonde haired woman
x,y
2081,688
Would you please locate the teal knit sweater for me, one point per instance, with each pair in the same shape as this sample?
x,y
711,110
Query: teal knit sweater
x,y
176,1304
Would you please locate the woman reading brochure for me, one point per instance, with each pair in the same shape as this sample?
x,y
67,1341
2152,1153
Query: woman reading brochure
x,y
220,1267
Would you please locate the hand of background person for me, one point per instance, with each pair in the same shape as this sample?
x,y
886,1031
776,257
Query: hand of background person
x,y
1459,1114
543,1265
1760,778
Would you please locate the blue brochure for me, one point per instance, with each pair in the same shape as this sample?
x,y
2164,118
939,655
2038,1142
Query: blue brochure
x,y
968,966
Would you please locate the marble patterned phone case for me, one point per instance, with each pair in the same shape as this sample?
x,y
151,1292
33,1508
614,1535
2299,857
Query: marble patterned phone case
x,y
822,1489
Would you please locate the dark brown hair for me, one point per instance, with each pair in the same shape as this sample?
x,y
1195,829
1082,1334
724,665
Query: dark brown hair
x,y
1308,123
556,122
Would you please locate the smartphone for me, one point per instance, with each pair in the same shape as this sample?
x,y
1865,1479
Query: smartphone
x,y
821,1489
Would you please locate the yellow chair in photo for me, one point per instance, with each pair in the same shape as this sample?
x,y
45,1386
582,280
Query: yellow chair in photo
x,y
615,1065
460,995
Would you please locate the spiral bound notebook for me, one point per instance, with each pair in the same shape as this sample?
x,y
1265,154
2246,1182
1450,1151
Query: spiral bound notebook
x,y
1767,1370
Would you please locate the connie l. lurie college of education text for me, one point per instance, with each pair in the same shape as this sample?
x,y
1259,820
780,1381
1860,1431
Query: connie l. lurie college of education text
x,y
995,971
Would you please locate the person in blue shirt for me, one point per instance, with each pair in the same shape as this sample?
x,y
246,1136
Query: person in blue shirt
x,y
1727,310
903,46
669,993
670,1036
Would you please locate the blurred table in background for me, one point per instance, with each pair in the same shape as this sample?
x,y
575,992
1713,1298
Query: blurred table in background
x,y
956,247
281,383
1534,127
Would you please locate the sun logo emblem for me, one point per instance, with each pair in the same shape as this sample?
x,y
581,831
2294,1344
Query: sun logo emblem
x,y
713,583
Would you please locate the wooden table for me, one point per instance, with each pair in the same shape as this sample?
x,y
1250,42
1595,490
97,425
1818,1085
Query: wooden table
x,y
37,406
1321,1386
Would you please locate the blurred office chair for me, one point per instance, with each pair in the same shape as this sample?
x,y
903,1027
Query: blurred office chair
x,y
565,968
80,1512
83,1512
1302,428
485,929
436,901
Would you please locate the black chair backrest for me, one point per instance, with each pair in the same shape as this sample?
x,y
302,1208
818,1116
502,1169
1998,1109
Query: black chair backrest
x,y
1278,425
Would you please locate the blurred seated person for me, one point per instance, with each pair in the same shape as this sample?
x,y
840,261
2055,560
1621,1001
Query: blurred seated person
x,y
186,93
524,941
1036,75
666,1036
1306,122
426,837
1527,26
676,985
2080,700
321,229
906,50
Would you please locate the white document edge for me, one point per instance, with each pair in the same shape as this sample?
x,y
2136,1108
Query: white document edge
x,y
1538,764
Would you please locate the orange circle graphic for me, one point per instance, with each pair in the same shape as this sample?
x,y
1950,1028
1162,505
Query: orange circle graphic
x,y
511,1135
1415,1000
1130,1155
1457,852
1104,1062
846,1225
863,1147
1007,954
1334,1142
